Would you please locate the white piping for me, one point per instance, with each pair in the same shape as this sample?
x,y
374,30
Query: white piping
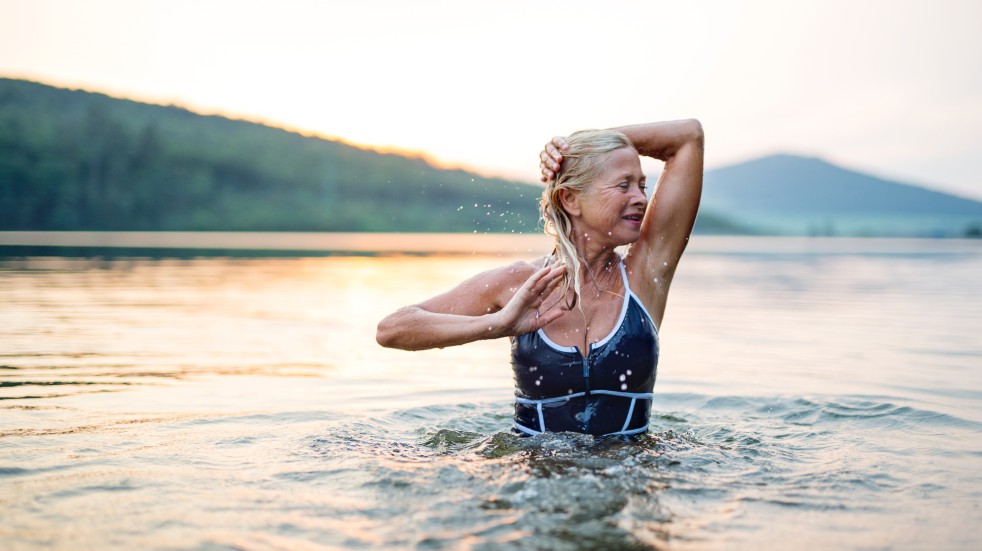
x,y
545,338
526,430
630,411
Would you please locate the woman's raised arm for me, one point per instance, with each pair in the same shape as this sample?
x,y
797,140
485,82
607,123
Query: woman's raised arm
x,y
670,213
672,210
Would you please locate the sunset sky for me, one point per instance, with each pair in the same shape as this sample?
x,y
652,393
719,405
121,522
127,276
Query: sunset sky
x,y
893,88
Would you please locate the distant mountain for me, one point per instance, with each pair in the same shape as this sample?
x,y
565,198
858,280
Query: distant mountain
x,y
795,195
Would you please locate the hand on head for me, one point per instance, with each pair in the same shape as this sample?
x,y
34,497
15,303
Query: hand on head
x,y
551,157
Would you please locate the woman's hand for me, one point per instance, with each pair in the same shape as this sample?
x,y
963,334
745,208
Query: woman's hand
x,y
522,315
551,158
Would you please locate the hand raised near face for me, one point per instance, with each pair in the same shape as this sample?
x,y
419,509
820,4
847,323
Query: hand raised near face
x,y
551,158
522,314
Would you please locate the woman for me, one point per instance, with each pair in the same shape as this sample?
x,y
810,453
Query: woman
x,y
583,320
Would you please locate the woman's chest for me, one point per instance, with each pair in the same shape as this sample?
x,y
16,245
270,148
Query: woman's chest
x,y
592,321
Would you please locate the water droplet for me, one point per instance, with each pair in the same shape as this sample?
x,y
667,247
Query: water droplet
x,y
623,387
623,378
628,371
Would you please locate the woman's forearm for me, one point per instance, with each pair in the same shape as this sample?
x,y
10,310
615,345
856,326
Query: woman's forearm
x,y
662,140
413,328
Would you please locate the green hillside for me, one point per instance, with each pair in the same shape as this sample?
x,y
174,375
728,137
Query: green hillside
x,y
800,195
74,160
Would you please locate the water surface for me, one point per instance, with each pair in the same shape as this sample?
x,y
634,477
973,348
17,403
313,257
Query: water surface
x,y
811,393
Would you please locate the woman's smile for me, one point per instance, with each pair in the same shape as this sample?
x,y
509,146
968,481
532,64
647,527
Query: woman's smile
x,y
634,220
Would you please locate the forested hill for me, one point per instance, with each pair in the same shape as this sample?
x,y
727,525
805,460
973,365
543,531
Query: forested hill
x,y
75,160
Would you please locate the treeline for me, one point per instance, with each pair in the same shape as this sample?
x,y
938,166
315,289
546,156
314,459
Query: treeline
x,y
74,160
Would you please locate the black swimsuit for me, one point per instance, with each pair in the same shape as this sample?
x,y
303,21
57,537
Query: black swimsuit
x,y
606,392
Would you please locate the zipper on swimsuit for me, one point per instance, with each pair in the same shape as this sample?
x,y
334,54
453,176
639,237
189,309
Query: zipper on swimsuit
x,y
586,387
586,374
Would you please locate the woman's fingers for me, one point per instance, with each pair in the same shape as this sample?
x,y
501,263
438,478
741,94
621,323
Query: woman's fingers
x,y
547,280
559,142
547,172
551,157
537,287
531,289
545,318
537,277
555,148
556,279
554,157
523,309
544,288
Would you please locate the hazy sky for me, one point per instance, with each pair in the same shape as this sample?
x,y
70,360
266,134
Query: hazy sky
x,y
893,88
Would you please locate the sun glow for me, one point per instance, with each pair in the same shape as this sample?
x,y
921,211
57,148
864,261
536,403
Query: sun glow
x,y
437,80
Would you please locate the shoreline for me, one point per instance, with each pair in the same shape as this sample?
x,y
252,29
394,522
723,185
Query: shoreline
x,y
462,243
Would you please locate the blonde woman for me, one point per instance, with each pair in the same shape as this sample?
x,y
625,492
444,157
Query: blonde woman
x,y
583,320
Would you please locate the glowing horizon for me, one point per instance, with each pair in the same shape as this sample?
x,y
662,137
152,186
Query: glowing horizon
x,y
885,96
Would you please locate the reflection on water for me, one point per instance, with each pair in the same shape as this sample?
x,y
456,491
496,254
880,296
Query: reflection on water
x,y
824,396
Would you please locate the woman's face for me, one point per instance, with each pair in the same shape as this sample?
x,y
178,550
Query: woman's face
x,y
612,208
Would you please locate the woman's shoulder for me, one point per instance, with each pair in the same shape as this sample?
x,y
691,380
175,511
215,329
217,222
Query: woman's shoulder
x,y
509,277
520,270
500,284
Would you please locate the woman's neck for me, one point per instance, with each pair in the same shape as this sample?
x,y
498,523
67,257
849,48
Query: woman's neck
x,y
597,261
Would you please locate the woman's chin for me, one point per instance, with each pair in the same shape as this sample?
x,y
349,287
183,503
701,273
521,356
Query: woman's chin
x,y
627,240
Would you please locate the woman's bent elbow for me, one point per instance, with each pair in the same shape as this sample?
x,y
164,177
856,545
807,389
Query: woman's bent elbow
x,y
392,333
386,334
381,337
696,132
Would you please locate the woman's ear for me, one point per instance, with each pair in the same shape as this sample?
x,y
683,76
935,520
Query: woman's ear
x,y
570,201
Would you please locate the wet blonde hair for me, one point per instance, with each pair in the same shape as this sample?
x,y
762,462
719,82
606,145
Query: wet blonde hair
x,y
582,164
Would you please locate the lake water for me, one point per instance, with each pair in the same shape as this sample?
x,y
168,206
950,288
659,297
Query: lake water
x,y
811,394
